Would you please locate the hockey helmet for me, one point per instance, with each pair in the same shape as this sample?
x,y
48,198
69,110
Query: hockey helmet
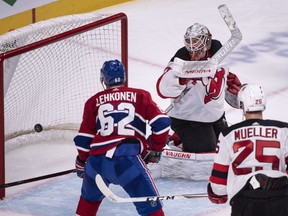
x,y
251,98
197,37
113,73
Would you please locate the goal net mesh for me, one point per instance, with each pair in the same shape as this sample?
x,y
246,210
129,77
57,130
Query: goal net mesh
x,y
49,83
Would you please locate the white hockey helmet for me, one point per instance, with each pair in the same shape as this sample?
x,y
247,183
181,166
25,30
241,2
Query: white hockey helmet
x,y
251,98
197,37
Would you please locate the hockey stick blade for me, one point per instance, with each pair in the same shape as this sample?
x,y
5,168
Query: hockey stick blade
x,y
224,51
235,38
114,198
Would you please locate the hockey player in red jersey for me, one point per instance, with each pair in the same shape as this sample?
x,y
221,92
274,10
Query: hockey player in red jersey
x,y
199,116
250,167
111,141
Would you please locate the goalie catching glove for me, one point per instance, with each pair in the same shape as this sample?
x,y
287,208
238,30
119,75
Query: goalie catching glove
x,y
217,199
79,165
233,83
231,92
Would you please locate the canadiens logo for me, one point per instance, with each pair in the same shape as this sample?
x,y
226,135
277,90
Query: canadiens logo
x,y
215,86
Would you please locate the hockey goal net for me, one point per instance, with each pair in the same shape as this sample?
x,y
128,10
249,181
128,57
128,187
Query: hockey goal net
x,y
50,68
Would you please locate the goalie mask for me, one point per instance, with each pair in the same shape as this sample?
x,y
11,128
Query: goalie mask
x,y
251,98
112,73
197,38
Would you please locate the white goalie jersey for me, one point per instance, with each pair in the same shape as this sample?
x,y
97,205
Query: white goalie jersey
x,y
205,96
247,148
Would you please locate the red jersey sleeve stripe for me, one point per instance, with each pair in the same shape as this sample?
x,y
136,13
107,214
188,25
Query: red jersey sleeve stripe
x,y
219,181
219,174
220,167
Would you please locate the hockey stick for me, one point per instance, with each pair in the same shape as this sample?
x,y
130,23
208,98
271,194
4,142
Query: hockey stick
x,y
224,51
114,198
11,184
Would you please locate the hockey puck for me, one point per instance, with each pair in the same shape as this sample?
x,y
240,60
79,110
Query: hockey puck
x,y
38,128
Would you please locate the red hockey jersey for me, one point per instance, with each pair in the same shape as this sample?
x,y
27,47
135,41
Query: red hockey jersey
x,y
116,114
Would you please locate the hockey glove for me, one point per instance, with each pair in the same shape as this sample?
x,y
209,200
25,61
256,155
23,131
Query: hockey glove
x,y
79,165
233,84
217,199
175,139
152,157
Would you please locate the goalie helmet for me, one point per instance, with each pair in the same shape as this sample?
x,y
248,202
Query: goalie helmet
x,y
197,37
112,73
251,98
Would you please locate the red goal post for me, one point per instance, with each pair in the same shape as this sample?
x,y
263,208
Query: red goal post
x,y
50,68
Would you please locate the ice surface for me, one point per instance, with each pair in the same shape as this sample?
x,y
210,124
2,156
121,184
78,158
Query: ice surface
x,y
154,35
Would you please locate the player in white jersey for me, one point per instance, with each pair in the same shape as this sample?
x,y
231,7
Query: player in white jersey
x,y
250,167
199,116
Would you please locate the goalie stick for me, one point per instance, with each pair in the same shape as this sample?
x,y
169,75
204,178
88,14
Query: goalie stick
x,y
114,198
224,51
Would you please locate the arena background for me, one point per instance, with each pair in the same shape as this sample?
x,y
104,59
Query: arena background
x,y
49,10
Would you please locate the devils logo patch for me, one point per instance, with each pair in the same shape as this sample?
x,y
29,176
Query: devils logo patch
x,y
215,86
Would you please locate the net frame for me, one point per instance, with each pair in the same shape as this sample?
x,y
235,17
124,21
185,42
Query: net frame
x,y
104,20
